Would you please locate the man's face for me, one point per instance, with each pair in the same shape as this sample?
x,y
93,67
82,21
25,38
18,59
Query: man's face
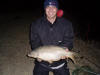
x,y
51,11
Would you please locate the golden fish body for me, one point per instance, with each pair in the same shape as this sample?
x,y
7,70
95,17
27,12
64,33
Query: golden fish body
x,y
51,53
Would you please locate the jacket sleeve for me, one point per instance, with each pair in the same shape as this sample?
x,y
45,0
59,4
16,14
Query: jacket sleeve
x,y
35,40
68,37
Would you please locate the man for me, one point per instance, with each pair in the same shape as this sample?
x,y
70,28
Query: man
x,y
51,30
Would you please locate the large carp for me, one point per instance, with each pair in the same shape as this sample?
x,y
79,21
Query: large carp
x,y
51,53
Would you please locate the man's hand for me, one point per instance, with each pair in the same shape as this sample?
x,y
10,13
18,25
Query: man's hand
x,y
67,49
39,60
64,57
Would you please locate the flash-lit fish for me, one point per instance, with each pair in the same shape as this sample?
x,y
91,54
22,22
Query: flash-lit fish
x,y
51,53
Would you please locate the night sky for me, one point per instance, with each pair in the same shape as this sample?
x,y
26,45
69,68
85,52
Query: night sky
x,y
84,13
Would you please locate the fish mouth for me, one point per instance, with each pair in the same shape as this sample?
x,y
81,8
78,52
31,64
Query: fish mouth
x,y
29,55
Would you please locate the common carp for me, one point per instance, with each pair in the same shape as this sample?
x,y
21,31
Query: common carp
x,y
51,53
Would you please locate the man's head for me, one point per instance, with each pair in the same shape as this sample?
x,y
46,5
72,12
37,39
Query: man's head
x,y
51,8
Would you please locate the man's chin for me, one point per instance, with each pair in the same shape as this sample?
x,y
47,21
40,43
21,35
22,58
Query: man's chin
x,y
52,16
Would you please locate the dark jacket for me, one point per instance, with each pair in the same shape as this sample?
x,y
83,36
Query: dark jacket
x,y
44,33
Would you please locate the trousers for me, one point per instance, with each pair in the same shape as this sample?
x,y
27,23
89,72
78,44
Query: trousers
x,y
41,70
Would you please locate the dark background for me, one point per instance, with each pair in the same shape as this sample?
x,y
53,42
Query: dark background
x,y
83,14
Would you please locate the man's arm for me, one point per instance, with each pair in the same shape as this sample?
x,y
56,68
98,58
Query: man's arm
x,y
68,37
35,40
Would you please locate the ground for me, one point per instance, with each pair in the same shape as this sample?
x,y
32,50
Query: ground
x,y
14,46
